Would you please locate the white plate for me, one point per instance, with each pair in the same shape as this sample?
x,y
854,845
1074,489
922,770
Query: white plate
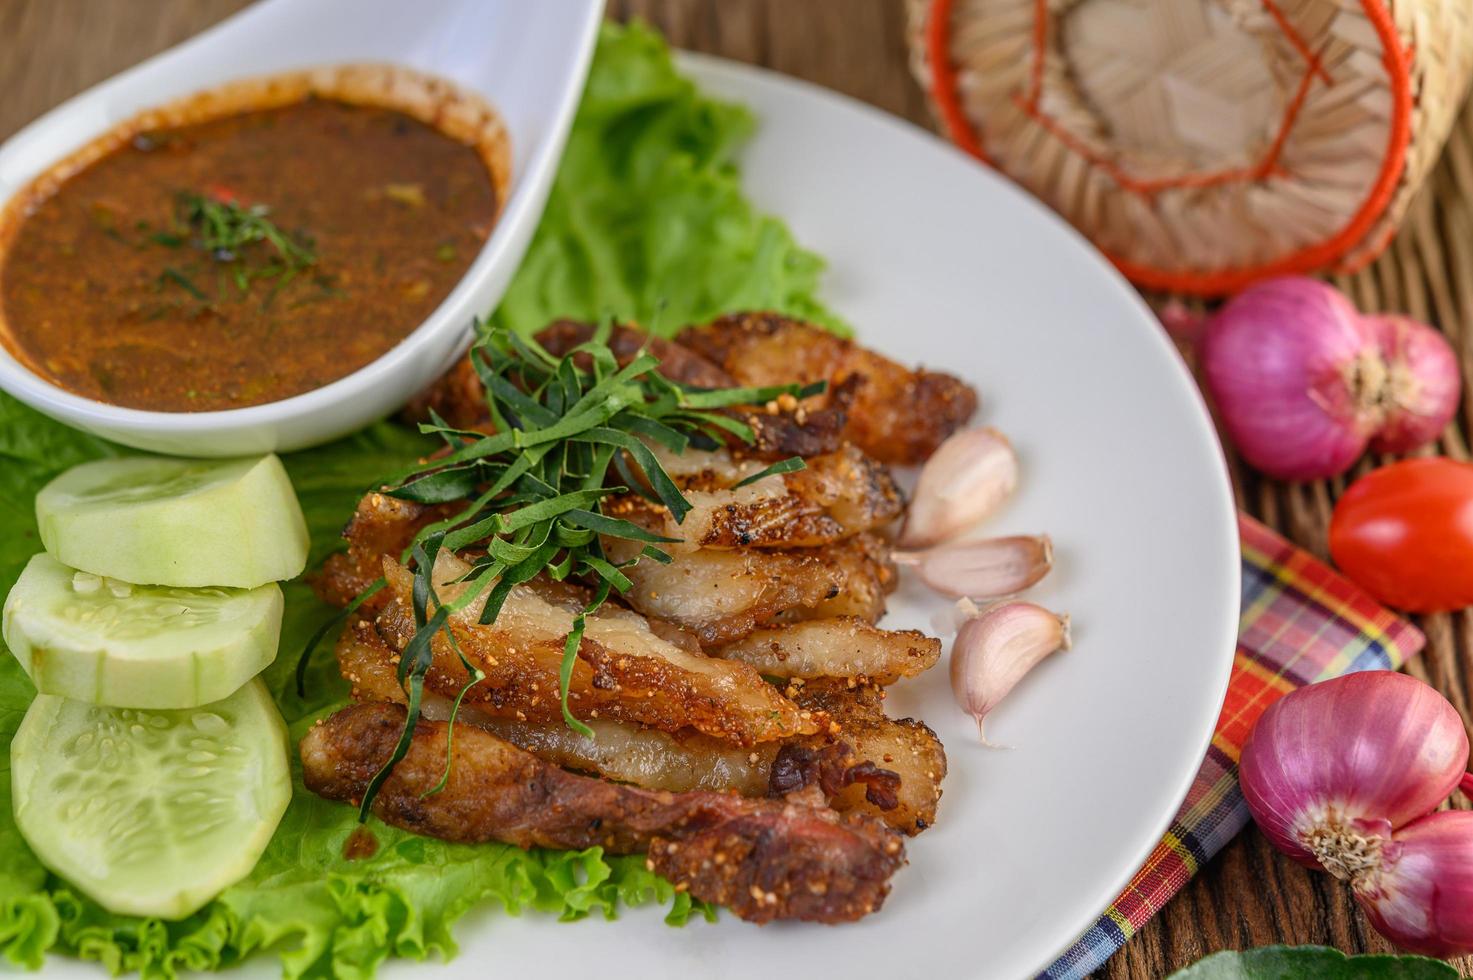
x,y
936,260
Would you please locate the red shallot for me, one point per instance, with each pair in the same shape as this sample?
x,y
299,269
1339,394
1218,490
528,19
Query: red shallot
x,y
1342,775
1304,382
1421,895
1422,383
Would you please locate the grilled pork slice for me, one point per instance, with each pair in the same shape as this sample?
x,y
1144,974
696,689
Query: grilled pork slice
x,y
675,761
648,757
869,576
623,671
842,647
837,496
460,398
722,596
897,415
382,525
457,396
779,431
904,746
626,342
764,859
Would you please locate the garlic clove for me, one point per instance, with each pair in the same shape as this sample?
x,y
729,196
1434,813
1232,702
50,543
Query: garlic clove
x,y
994,651
983,569
966,479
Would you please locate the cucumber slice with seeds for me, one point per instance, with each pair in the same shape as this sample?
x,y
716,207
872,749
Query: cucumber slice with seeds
x,y
180,522
151,812
137,646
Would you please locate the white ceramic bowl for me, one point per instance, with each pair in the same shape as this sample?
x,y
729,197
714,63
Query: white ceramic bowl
x,y
528,60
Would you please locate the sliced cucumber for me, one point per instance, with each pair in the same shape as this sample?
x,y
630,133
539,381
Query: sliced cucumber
x,y
137,646
151,812
180,522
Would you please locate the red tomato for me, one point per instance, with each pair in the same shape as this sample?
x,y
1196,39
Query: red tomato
x,y
1405,534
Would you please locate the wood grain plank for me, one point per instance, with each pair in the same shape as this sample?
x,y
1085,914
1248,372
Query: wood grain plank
x,y
1249,895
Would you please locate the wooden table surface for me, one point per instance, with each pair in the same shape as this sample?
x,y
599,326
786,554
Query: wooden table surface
x,y
1248,895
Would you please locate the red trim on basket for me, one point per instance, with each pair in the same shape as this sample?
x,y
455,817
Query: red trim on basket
x,y
1270,162
1040,46
1310,58
946,97
943,80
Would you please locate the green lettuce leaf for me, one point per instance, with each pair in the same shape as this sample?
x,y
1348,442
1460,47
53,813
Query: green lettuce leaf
x,y
646,221
1320,962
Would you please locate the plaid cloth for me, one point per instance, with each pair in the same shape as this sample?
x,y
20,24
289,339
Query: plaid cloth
x,y
1301,623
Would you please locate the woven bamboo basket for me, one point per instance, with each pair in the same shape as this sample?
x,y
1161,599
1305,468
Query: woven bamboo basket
x,y
1205,144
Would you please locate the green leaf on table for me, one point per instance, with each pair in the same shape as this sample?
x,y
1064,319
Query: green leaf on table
x,y
1319,962
647,220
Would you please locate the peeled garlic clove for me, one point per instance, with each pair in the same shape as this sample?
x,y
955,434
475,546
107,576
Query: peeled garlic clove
x,y
983,569
965,480
994,651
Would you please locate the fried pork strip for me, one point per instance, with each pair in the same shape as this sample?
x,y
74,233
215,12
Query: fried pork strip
x,y
647,757
683,761
460,398
623,671
838,495
842,647
764,859
721,596
457,396
904,746
382,525
897,415
869,576
779,432
677,363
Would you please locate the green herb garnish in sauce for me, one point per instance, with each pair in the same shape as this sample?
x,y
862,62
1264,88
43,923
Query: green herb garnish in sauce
x,y
226,229
228,232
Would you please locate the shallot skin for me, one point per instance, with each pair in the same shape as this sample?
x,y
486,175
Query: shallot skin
x,y
1275,359
1304,383
1369,751
1423,383
1422,898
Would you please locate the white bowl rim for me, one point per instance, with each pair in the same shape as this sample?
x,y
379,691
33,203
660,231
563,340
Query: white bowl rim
x,y
51,399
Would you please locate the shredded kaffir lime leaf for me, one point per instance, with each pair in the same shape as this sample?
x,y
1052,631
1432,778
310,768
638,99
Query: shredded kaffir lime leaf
x,y
569,433
225,227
